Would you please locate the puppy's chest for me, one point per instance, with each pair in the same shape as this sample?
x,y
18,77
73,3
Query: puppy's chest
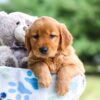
x,y
55,64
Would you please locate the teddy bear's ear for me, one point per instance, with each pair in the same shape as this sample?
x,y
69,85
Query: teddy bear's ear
x,y
65,37
27,40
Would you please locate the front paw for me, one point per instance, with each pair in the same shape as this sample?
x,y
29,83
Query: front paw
x,y
61,88
45,81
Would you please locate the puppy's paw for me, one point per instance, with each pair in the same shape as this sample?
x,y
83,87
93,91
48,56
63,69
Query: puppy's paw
x,y
45,81
61,88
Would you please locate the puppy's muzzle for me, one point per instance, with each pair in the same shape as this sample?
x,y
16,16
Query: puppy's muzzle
x,y
43,50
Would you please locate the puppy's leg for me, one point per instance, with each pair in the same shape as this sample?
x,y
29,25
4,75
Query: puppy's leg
x,y
64,77
41,70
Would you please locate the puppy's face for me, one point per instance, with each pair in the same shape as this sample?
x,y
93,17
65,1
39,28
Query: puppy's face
x,y
43,37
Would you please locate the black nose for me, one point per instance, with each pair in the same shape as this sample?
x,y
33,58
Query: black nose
x,y
43,50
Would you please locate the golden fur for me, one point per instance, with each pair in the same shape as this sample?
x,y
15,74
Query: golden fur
x,y
60,57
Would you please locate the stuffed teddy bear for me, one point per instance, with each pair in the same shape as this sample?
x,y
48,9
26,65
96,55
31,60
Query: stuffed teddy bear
x,y
12,33
12,26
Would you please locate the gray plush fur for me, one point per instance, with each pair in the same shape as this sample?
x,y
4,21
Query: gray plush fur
x,y
7,58
1,42
21,54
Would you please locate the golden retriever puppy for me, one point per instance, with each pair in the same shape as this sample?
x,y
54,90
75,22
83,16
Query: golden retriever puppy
x,y
49,44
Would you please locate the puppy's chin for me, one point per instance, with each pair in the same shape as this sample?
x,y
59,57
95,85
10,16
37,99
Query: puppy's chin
x,y
44,56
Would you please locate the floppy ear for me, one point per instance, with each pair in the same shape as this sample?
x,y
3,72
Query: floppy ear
x,y
65,37
27,40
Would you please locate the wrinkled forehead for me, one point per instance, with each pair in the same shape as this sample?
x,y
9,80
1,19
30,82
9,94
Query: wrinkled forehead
x,y
44,25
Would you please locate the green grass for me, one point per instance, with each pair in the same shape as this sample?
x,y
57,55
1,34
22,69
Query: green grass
x,y
92,91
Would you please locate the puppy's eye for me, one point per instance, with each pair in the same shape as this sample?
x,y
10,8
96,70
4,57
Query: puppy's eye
x,y
52,36
36,36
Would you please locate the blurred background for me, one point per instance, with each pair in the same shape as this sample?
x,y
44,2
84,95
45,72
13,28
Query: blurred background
x,y
82,17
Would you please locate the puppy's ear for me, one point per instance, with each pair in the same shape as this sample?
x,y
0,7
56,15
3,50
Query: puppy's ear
x,y
27,40
65,37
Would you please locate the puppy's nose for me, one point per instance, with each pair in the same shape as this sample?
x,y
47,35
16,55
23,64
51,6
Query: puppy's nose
x,y
43,50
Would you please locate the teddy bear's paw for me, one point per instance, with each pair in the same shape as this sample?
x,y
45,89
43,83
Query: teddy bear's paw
x,y
61,88
45,81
